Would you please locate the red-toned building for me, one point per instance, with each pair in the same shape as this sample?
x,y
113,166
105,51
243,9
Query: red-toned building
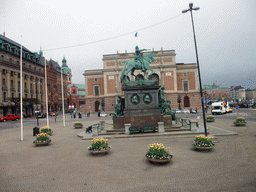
x,y
54,86
76,96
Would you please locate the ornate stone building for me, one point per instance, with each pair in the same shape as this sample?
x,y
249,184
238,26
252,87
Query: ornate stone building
x,y
103,86
33,79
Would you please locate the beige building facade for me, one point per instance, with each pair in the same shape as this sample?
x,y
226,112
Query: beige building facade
x,y
33,79
103,86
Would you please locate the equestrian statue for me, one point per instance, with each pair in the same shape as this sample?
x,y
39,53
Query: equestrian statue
x,y
139,62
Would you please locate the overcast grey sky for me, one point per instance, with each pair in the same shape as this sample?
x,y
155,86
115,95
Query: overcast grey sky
x,y
225,32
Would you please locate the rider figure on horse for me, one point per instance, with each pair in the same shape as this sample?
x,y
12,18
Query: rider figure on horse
x,y
138,57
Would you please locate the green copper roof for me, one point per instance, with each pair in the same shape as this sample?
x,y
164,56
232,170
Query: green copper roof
x,y
81,93
64,66
78,86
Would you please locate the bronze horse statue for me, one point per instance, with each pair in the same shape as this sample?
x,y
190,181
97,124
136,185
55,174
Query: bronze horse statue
x,y
132,65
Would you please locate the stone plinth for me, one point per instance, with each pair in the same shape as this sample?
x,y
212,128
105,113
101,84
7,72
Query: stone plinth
x,y
167,119
141,121
118,122
141,99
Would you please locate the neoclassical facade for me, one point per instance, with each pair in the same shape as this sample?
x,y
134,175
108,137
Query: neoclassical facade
x,y
33,79
103,86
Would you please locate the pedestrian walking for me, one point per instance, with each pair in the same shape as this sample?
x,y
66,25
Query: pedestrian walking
x,y
237,108
196,109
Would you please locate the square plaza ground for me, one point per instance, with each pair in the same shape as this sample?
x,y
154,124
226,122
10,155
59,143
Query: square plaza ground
x,y
66,165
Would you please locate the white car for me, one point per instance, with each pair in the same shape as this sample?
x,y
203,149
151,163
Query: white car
x,y
177,111
185,111
103,114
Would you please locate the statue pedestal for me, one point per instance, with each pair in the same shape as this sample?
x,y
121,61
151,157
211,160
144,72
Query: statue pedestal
x,y
141,104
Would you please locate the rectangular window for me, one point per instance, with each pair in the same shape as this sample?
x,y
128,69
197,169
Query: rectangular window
x,y
184,74
12,73
4,71
31,86
3,81
4,96
31,95
96,79
19,84
12,95
96,90
185,85
25,85
12,83
26,95
18,75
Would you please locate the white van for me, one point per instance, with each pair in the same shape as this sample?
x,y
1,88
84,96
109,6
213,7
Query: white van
x,y
218,108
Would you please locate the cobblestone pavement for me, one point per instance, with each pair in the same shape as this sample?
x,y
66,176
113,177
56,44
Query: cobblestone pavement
x,y
66,165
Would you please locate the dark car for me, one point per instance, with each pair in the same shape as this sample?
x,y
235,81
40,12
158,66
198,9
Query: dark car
x,y
41,115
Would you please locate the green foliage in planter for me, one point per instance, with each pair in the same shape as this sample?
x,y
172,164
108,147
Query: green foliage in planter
x,y
45,129
158,151
99,143
240,119
77,123
203,141
210,117
42,137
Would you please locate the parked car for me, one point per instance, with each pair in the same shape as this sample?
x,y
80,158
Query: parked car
x,y
192,110
41,115
53,114
185,111
177,111
103,114
9,117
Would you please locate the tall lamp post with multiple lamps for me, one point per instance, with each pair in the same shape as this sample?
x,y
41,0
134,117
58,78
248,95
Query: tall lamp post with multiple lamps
x,y
200,84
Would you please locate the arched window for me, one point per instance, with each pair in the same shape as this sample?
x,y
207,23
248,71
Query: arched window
x,y
186,101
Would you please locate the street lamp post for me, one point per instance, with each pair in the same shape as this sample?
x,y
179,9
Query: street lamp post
x,y
200,84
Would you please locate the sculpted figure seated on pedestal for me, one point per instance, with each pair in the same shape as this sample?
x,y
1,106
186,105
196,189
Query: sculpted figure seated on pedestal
x,y
118,108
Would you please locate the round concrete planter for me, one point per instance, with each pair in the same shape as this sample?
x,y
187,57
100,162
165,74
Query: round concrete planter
x,y
210,120
203,148
237,123
96,152
78,126
40,143
159,161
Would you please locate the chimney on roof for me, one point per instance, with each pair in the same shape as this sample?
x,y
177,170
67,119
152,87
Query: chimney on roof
x,y
4,34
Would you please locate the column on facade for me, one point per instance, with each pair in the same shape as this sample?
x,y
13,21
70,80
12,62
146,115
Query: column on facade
x,y
175,79
118,85
29,93
16,86
8,84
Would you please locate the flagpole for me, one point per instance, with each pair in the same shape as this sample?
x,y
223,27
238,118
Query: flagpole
x,y
62,93
21,93
46,93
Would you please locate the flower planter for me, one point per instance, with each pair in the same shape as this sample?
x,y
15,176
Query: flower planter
x,y
210,120
237,123
96,152
40,143
78,126
159,161
48,132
